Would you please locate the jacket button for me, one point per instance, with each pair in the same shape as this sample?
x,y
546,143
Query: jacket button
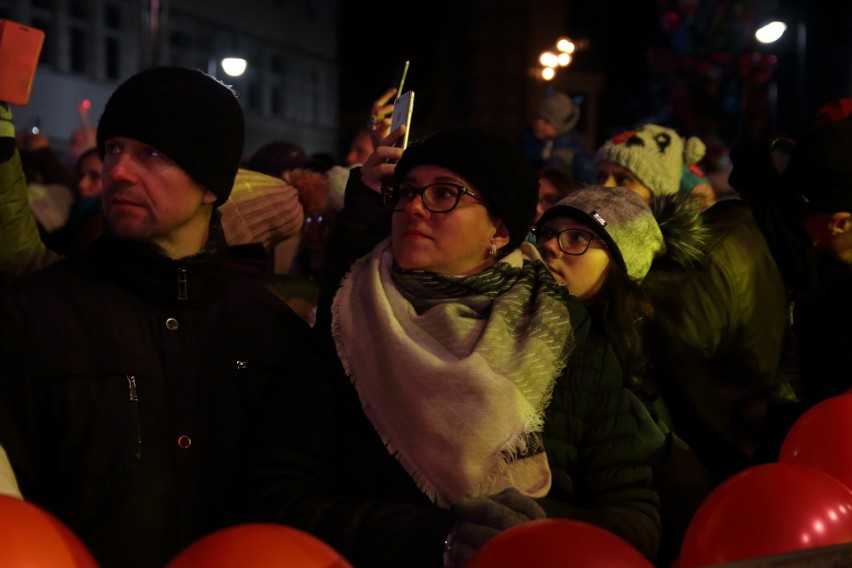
x,y
172,324
184,441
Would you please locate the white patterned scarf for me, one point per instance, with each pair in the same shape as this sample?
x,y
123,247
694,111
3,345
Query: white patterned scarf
x,y
455,372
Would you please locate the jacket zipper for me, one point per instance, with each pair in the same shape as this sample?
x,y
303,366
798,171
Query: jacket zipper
x,y
134,415
183,294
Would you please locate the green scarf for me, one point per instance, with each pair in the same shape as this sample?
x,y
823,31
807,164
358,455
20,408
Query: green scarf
x,y
455,372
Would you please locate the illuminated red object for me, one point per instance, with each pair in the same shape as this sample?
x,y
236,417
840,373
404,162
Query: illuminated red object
x,y
765,510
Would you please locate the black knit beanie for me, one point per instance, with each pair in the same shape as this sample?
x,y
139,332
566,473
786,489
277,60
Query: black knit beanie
x,y
496,168
188,115
820,171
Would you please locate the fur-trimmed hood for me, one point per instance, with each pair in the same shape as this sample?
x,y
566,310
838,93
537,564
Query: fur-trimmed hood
x,y
684,232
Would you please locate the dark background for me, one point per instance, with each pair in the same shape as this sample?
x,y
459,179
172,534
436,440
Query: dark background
x,y
689,64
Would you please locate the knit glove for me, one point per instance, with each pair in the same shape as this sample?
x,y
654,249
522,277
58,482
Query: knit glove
x,y
7,128
482,518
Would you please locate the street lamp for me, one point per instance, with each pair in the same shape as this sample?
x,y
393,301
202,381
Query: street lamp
x,y
771,32
232,66
561,56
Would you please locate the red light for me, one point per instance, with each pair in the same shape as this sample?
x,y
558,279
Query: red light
x,y
86,104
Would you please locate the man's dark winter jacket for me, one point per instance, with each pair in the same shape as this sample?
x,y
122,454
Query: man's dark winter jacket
x,y
127,384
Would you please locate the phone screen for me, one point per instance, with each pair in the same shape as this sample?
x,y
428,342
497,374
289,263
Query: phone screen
x,y
402,109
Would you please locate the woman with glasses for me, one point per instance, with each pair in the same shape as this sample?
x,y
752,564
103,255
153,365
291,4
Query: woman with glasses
x,y
464,392
600,243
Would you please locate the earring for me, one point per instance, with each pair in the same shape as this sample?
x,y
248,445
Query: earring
x,y
492,250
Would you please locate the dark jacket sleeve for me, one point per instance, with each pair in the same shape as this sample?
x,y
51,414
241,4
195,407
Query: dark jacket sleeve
x,y
362,223
599,460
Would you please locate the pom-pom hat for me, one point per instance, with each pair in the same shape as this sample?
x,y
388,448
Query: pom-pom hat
x,y
655,154
188,115
621,218
497,169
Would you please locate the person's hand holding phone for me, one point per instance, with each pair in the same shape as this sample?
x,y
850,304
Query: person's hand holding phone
x,y
380,116
380,166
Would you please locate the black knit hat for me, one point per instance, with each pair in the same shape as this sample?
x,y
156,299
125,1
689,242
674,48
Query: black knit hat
x,y
820,168
496,168
188,115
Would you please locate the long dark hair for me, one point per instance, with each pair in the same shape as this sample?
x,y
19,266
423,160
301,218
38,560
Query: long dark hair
x,y
620,310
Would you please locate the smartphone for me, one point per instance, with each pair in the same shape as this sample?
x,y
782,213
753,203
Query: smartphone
x,y
402,108
399,77
20,47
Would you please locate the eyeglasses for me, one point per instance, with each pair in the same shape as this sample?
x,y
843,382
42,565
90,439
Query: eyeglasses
x,y
570,241
439,197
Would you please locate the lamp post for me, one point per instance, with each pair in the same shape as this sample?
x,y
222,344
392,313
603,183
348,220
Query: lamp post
x,y
768,34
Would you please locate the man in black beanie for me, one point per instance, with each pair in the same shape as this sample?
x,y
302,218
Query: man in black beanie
x,y
130,373
820,174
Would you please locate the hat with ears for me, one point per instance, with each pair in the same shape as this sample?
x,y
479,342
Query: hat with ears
x,y
654,154
621,218
495,167
560,111
191,117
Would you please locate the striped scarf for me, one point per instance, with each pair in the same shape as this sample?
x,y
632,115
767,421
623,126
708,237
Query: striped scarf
x,y
455,372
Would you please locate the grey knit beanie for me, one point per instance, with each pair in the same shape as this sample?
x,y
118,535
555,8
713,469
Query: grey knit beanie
x,y
188,115
498,170
560,111
655,154
621,218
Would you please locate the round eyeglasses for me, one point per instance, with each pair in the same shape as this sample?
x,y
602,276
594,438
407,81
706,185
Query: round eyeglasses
x,y
570,241
438,197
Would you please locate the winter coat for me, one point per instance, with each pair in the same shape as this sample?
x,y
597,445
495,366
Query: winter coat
x,y
128,382
715,340
337,480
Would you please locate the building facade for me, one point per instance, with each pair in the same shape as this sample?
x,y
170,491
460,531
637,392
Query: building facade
x,y
289,90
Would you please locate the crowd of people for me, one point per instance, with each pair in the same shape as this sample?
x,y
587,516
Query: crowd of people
x,y
494,331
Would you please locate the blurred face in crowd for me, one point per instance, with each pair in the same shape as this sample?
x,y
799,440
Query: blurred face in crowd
x,y
548,195
148,197
584,273
610,174
454,242
542,129
89,171
360,150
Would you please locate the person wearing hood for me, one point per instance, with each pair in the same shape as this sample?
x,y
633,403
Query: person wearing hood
x,y
551,139
717,329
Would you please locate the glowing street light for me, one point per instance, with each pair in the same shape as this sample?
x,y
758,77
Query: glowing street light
x,y
771,32
234,66
563,56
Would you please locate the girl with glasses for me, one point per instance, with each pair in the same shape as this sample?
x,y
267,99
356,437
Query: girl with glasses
x,y
600,242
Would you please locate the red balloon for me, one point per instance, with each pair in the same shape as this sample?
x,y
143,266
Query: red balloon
x,y
30,536
822,438
259,545
552,543
765,510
